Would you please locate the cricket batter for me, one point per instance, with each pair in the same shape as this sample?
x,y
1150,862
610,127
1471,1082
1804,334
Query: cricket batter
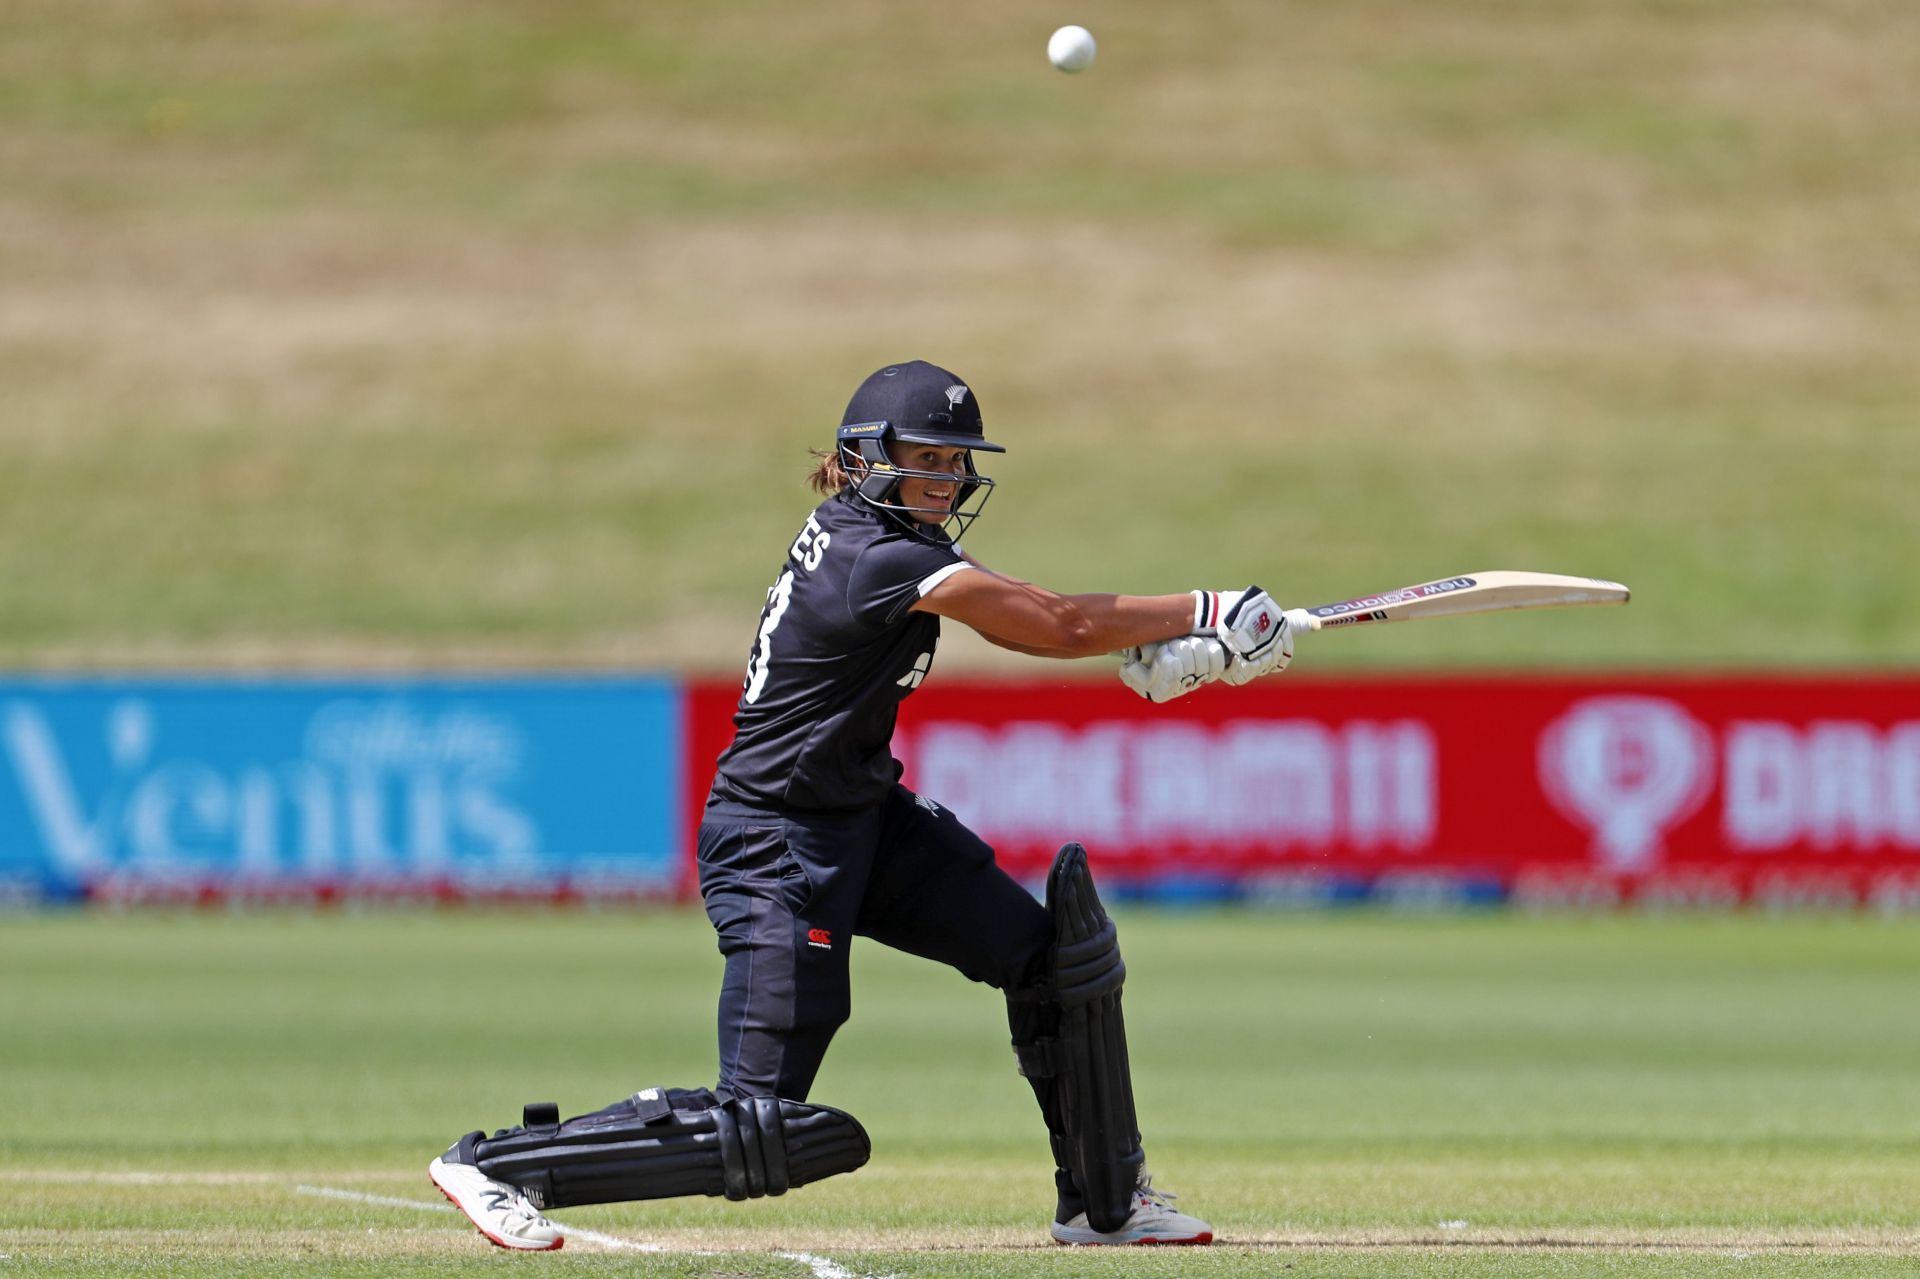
x,y
809,840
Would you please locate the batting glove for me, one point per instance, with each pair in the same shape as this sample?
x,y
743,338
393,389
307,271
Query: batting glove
x,y
1277,654
1172,668
1248,622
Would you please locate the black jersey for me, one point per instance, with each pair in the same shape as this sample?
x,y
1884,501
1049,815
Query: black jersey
x,y
836,653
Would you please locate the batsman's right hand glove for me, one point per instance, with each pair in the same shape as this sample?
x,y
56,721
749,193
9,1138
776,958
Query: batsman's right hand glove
x,y
1172,668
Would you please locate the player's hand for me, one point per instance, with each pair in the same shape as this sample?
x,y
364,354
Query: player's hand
x,y
1172,668
1248,622
1276,655
1134,669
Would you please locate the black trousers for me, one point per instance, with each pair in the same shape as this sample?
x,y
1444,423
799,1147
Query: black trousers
x,y
789,893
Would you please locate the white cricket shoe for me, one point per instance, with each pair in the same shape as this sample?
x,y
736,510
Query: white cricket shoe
x,y
501,1212
1154,1220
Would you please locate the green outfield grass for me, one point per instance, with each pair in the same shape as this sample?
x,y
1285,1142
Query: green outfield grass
x,y
350,333
1342,1096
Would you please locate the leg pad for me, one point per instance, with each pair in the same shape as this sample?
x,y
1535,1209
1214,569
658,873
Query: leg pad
x,y
1088,1090
665,1142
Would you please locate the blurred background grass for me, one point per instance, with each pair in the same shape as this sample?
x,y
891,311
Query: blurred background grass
x,y
353,333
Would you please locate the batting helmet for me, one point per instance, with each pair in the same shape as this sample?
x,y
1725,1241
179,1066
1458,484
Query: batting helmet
x,y
917,403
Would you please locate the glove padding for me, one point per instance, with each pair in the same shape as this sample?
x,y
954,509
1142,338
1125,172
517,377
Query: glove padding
x,y
1278,651
1248,622
1172,668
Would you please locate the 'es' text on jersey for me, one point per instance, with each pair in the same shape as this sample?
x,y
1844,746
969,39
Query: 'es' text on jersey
x,y
836,651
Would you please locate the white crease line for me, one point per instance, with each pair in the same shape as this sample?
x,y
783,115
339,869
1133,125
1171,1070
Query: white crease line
x,y
611,1241
825,1267
571,1232
822,1267
385,1201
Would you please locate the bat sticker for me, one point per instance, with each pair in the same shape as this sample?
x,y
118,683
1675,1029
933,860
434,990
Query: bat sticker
x,y
1406,594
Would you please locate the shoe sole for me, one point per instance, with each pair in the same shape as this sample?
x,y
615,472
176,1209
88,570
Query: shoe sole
x,y
496,1240
1188,1241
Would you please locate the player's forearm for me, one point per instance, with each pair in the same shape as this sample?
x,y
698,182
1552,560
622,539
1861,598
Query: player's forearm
x,y
1089,625
1029,649
1032,619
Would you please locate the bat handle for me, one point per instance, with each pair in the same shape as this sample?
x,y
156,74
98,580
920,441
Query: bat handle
x,y
1301,620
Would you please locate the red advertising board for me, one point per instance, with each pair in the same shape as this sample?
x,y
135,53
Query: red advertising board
x,y
1781,790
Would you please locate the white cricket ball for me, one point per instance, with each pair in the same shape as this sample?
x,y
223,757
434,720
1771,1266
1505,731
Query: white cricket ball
x,y
1071,49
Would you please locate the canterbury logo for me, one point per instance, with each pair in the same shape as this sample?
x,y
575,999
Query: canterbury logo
x,y
956,396
921,665
820,937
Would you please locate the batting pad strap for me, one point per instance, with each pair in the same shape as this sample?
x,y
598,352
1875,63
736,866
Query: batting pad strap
x,y
753,1152
650,1105
1087,969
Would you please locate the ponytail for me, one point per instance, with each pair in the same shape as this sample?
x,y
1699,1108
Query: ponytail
x,y
828,476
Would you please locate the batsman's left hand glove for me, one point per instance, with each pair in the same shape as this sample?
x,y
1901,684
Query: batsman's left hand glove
x,y
1277,654
1256,632
1248,622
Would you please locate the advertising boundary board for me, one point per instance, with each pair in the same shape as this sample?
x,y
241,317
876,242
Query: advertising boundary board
x,y
285,789
1781,791
1594,790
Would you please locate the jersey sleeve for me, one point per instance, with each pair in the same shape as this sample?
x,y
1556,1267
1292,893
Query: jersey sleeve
x,y
890,576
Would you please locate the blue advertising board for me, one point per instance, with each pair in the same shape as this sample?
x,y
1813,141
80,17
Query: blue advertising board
x,y
181,789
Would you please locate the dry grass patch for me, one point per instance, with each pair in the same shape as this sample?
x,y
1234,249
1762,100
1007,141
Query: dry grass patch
x,y
362,334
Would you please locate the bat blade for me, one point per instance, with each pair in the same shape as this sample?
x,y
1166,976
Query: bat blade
x,y
1489,592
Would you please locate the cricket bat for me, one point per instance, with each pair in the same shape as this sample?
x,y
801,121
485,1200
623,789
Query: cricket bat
x,y
1470,593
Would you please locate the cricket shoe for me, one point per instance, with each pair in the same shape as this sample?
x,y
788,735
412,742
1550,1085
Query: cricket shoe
x,y
1154,1221
500,1212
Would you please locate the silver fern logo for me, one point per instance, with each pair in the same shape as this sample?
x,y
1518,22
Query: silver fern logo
x,y
956,396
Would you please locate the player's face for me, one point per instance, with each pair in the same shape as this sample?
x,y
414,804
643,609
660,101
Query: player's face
x,y
931,500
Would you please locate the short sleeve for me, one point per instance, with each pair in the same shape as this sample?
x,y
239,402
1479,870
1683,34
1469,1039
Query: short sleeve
x,y
891,575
